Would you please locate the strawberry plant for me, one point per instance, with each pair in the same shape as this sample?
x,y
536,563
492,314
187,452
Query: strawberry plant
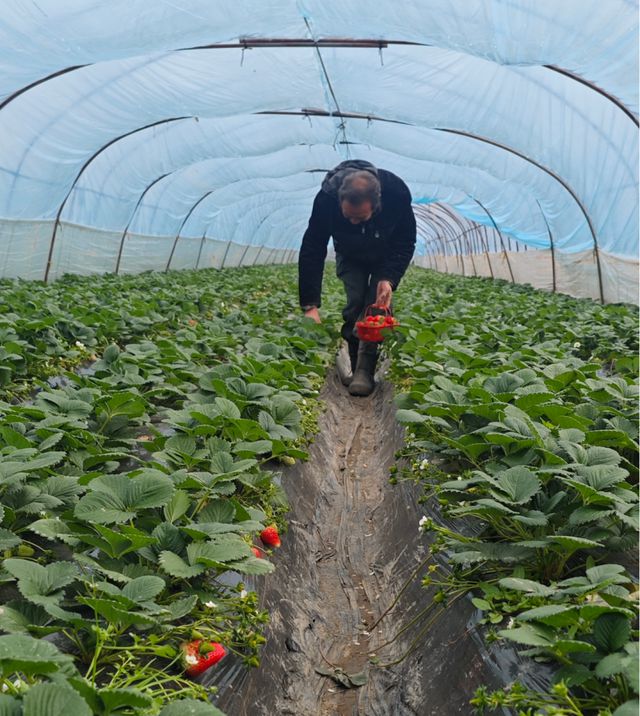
x,y
529,400
137,478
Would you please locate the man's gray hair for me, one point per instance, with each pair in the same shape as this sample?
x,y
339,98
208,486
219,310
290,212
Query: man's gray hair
x,y
359,187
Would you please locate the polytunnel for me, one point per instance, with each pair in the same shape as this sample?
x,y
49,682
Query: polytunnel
x,y
135,153
455,539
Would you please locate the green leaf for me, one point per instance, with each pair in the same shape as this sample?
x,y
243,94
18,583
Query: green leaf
x,y
14,438
116,542
611,665
97,567
532,517
503,383
115,613
226,548
527,585
177,506
600,477
227,408
409,416
9,706
39,584
552,614
117,498
571,646
285,411
602,456
54,700
17,616
179,608
254,447
190,707
572,544
584,515
606,572
111,353
8,539
611,632
573,674
529,635
143,589
21,653
252,565
175,566
518,483
628,708
180,445
115,699
571,435
218,511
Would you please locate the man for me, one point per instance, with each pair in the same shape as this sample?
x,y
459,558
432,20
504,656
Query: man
x,y
368,213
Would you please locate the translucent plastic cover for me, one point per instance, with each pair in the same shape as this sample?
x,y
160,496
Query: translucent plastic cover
x,y
214,121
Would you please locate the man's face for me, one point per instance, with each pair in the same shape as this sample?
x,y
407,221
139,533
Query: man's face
x,y
357,214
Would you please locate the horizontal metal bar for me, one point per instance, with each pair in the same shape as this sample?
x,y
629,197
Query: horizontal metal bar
x,y
248,43
312,112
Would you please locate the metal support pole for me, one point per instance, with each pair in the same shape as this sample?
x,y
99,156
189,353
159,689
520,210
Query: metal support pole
x,y
553,256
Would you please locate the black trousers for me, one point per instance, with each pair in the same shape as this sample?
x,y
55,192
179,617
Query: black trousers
x,y
360,282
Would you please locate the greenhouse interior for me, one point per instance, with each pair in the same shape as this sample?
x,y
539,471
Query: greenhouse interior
x,y
319,358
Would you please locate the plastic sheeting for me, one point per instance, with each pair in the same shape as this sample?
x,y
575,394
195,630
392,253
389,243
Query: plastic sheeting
x,y
576,275
518,113
333,585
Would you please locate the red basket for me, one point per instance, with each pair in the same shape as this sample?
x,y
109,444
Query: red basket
x,y
371,327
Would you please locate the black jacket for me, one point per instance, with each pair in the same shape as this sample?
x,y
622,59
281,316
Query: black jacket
x,y
386,242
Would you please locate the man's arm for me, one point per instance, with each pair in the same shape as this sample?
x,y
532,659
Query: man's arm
x,y
313,252
402,242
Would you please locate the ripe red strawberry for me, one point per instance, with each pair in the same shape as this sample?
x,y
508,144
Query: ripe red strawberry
x,y
270,536
257,552
199,655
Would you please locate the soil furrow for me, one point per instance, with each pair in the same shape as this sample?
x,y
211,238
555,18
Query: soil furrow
x,y
353,540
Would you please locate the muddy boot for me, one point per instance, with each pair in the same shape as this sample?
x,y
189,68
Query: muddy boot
x,y
353,360
362,382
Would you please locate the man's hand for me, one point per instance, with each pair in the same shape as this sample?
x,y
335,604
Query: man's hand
x,y
384,293
314,314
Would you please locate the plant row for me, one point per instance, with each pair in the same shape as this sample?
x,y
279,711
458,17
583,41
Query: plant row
x,y
521,409
134,492
46,328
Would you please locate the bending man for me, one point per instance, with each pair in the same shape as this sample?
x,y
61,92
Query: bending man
x,y
368,213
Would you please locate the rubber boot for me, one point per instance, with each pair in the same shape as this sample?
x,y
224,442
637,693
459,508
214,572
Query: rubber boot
x,y
362,383
353,359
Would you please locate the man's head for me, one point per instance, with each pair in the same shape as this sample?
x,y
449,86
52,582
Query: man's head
x,y
359,196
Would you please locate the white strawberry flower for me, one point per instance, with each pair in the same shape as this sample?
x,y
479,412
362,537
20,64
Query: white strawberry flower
x,y
424,464
191,659
211,605
577,345
79,344
422,523
243,594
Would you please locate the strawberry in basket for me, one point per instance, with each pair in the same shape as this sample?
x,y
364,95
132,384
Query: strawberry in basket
x,y
370,328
